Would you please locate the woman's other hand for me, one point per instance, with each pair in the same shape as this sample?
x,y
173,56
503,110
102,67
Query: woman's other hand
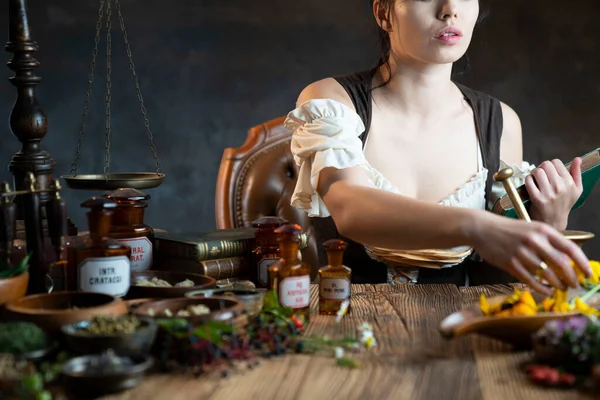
x,y
554,189
519,247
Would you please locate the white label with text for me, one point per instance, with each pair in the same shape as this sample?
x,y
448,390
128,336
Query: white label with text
x,y
110,275
263,269
335,288
141,253
294,291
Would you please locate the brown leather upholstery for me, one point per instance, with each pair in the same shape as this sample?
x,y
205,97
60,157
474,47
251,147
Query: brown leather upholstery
x,y
257,180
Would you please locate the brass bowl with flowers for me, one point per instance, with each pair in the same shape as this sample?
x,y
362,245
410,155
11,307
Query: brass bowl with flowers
x,y
515,317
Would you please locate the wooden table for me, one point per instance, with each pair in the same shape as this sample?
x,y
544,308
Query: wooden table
x,y
411,361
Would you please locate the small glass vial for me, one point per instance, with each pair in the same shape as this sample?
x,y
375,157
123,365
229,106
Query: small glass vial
x,y
289,275
266,251
334,279
97,263
127,226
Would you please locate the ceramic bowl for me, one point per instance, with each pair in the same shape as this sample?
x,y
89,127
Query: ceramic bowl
x,y
129,344
515,330
13,288
51,311
252,298
83,381
200,282
224,309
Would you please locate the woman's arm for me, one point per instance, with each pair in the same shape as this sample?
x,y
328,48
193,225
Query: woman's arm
x,y
383,219
552,187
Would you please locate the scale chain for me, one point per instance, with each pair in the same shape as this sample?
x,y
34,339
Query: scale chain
x,y
137,88
108,86
75,163
108,94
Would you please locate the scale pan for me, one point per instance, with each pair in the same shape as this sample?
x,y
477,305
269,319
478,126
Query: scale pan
x,y
134,180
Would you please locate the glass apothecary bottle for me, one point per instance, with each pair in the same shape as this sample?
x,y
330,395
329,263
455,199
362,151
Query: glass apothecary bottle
x,y
97,263
127,226
289,275
266,250
334,278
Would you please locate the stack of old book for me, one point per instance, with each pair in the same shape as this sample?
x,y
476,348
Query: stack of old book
x,y
220,254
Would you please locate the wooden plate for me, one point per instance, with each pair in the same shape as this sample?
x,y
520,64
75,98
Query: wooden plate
x,y
515,330
51,311
224,309
201,282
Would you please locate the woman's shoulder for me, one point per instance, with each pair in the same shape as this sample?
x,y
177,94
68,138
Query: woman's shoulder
x,y
328,88
509,115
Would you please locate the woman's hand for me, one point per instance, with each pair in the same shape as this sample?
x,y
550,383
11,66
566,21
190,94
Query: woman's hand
x,y
519,247
554,191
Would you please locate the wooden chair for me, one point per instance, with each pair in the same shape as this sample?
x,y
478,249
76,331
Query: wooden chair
x,y
257,180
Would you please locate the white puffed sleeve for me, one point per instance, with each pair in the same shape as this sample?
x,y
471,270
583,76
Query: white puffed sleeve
x,y
325,134
518,178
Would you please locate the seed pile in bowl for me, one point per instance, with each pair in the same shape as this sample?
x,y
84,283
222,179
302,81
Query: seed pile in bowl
x,y
109,325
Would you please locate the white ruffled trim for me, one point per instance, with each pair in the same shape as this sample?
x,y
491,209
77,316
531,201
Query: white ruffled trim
x,y
325,134
470,194
518,178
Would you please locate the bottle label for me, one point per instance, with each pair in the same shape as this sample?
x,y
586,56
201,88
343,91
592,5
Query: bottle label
x,y
263,270
294,291
141,253
110,275
334,288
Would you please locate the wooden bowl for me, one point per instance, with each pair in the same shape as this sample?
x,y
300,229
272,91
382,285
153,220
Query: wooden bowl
x,y
252,298
53,310
515,330
224,309
13,288
200,282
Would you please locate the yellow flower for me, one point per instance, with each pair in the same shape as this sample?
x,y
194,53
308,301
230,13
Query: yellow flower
x,y
527,298
484,305
582,307
594,279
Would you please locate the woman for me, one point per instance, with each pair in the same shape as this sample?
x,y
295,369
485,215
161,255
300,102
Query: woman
x,y
377,151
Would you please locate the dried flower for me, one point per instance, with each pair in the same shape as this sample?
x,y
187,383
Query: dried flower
x,y
366,335
343,310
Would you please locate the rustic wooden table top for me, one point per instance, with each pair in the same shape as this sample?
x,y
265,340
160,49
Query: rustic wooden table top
x,y
411,360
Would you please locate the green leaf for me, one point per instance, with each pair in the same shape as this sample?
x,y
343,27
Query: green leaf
x,y
213,332
32,383
348,363
9,271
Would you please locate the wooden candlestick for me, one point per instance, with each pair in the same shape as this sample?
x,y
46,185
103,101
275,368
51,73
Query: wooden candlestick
x,y
28,120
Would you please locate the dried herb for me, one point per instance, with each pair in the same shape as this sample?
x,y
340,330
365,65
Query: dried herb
x,y
21,337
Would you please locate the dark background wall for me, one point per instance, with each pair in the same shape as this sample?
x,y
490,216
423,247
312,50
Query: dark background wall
x,y
210,69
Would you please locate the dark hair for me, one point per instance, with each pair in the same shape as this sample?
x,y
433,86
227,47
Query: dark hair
x,y
386,46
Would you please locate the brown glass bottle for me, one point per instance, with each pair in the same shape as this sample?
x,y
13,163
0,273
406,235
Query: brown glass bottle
x,y
97,263
266,251
127,226
289,275
334,279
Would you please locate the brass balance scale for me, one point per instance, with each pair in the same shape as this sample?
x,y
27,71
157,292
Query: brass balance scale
x,y
33,210
108,180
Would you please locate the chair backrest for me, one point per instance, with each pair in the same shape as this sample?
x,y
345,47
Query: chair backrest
x,y
257,180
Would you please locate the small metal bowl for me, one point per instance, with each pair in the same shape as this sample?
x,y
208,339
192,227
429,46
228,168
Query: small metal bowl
x,y
38,355
84,380
136,343
252,298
